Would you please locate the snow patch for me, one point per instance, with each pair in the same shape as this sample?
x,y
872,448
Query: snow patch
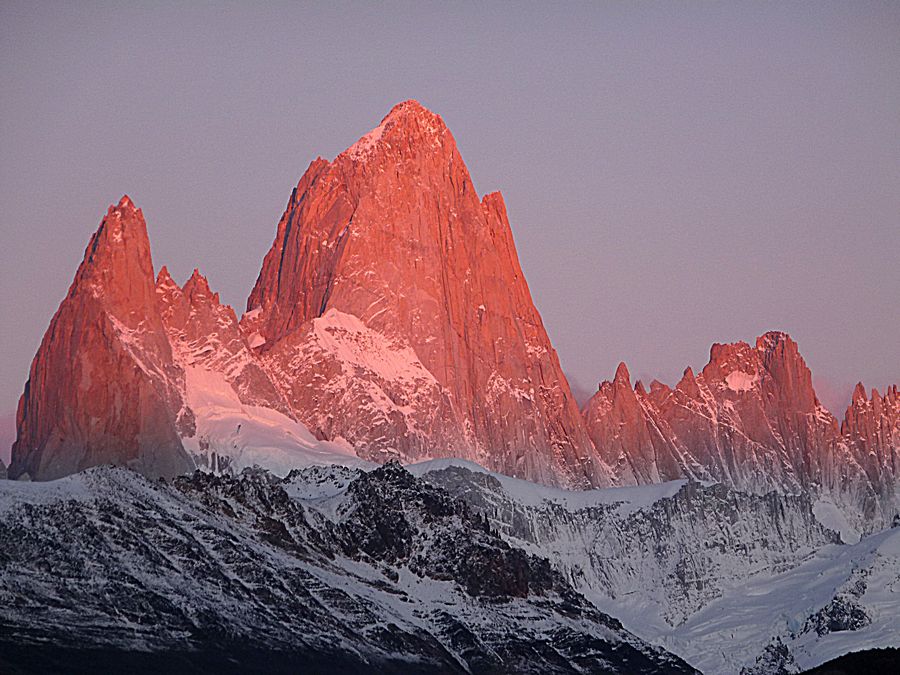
x,y
364,145
834,519
356,345
251,435
738,380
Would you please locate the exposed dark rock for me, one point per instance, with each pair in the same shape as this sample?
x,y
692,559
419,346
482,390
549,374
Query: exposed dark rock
x,y
233,574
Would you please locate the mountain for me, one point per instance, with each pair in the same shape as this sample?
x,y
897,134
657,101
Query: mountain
x,y
751,419
391,319
143,373
103,387
654,554
443,568
730,581
871,428
393,307
338,569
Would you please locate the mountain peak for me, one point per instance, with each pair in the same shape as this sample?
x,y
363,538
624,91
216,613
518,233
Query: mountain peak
x,y
408,107
408,123
393,234
198,286
164,279
772,339
123,224
622,374
101,388
117,265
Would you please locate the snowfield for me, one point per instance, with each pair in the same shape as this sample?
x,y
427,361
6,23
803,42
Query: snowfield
x,y
845,598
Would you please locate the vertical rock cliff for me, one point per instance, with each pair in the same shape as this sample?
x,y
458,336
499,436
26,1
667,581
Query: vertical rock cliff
x,y
103,387
395,313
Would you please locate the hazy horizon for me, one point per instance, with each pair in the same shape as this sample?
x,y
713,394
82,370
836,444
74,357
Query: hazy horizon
x,y
674,176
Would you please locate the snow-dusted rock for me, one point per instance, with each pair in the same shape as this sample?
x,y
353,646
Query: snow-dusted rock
x,y
727,580
751,419
382,572
652,555
390,246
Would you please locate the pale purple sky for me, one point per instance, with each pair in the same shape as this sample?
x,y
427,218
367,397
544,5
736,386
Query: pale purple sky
x,y
676,173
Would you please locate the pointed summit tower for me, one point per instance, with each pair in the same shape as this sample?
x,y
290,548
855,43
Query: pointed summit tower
x,y
102,387
393,305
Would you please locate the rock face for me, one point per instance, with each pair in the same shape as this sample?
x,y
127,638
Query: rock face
x,y
103,387
394,309
657,552
206,334
871,428
725,579
632,436
751,419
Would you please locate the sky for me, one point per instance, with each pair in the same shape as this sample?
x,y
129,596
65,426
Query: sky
x,y
676,174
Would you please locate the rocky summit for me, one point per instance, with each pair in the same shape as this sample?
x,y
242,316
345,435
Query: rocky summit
x,y
103,388
391,317
751,419
388,255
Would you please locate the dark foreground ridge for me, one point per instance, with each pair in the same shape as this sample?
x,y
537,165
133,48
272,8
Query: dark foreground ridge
x,y
867,661
377,572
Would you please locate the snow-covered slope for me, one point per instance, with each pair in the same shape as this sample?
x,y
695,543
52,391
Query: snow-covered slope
x,y
341,570
725,580
231,435
714,575
845,598
346,380
653,555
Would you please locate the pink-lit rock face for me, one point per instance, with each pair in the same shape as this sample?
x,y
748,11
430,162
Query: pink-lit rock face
x,y
631,435
389,244
750,419
103,387
206,334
